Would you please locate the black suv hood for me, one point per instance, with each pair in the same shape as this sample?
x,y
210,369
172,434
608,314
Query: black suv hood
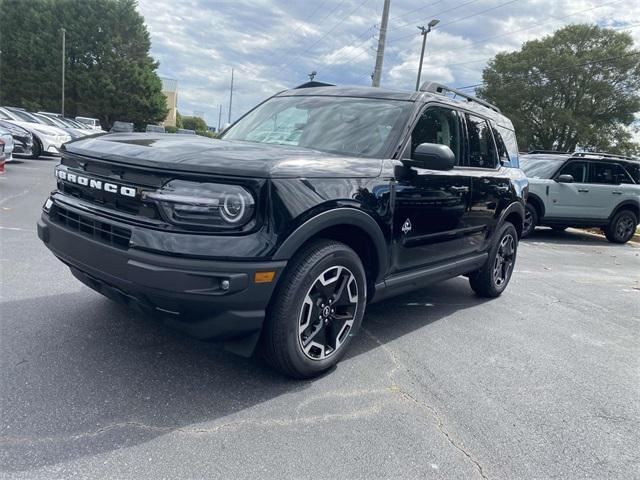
x,y
192,153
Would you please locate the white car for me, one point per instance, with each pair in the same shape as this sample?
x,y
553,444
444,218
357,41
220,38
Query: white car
x,y
92,123
7,138
583,190
68,123
46,139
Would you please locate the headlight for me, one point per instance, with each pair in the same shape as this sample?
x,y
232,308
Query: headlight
x,y
194,204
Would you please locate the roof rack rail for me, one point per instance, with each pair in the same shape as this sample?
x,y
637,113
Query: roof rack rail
x,y
603,156
313,84
549,152
440,89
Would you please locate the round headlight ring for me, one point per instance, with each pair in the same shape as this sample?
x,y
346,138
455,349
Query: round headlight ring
x,y
233,207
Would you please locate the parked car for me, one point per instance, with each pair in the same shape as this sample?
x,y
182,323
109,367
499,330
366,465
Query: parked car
x,y
583,190
52,122
7,141
46,139
92,123
22,138
315,203
69,123
155,129
122,127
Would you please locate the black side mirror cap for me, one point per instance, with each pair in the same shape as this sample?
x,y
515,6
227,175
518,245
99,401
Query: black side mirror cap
x,y
432,156
565,179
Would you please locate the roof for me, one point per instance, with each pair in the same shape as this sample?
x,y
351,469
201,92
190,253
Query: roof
x,y
466,102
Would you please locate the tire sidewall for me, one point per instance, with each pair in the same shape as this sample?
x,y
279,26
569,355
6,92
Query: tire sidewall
x,y
507,228
617,219
534,220
342,257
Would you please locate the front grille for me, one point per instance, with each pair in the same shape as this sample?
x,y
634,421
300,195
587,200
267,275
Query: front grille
x,y
98,230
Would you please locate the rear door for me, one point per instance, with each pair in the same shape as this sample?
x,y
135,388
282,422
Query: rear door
x,y
607,183
490,185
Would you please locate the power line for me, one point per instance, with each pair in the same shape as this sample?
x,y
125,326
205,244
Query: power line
x,y
590,62
406,14
461,18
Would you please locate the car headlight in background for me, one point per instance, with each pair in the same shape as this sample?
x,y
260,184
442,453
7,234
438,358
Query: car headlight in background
x,y
194,204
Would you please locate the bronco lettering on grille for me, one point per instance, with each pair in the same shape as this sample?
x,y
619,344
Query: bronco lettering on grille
x,y
96,184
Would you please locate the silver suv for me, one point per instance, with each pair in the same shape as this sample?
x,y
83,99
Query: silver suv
x,y
583,190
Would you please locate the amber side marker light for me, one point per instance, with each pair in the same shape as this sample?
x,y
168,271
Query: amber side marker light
x,y
264,277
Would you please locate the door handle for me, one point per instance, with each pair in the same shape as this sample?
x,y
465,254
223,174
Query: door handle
x,y
502,189
455,189
583,190
616,192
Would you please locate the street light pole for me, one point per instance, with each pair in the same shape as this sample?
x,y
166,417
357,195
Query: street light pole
x,y
424,31
377,71
219,117
63,65
231,96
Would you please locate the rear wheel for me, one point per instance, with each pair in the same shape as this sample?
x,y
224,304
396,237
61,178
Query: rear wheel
x,y
530,220
622,227
318,308
492,279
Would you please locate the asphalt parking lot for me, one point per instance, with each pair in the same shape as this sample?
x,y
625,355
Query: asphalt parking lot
x,y
540,383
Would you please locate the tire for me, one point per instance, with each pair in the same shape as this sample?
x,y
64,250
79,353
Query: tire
x,y
488,282
36,149
622,227
531,219
304,335
559,229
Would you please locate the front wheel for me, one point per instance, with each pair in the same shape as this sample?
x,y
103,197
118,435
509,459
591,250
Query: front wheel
x,y
492,279
36,148
622,227
530,220
318,307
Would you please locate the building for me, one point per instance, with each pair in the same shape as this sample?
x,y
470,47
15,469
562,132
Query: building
x,y
170,90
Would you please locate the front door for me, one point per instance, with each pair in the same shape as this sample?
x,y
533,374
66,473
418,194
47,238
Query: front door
x,y
431,207
572,200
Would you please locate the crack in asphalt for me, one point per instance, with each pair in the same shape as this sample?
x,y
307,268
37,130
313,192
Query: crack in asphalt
x,y
424,406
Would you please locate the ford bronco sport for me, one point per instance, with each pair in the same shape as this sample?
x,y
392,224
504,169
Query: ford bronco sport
x,y
583,190
312,205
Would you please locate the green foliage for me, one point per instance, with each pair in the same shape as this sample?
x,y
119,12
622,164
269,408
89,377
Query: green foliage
x,y
170,129
178,120
206,133
109,72
193,123
576,88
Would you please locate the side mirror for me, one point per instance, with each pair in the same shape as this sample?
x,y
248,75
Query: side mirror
x,y
433,156
565,179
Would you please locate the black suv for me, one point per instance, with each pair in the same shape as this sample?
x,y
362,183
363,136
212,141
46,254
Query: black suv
x,y
315,203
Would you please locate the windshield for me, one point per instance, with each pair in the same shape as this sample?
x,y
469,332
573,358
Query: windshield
x,y
24,116
542,166
45,120
343,125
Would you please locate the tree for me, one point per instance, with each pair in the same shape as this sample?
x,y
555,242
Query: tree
x,y
109,72
579,87
194,123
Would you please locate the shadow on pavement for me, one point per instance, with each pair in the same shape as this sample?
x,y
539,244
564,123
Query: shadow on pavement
x,y
86,376
568,237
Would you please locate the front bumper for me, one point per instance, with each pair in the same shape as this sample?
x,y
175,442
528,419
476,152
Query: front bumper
x,y
188,293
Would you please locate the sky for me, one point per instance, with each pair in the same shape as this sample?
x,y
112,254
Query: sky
x,y
273,45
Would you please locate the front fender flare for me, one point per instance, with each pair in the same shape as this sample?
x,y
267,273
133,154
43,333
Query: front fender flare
x,y
332,218
515,207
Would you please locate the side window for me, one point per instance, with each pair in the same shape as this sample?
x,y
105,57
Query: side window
x,y
482,150
438,125
509,139
503,154
578,170
609,174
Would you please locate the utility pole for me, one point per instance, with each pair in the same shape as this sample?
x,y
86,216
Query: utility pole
x,y
377,72
219,117
63,65
424,31
231,96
